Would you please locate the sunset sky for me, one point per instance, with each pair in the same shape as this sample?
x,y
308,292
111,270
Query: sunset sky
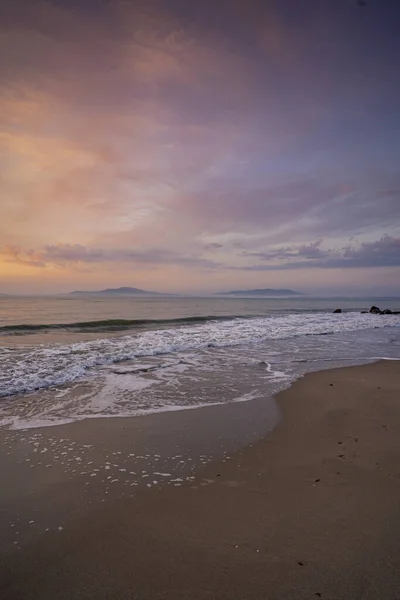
x,y
200,146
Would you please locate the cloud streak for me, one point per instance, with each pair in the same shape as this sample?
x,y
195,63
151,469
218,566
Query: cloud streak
x,y
76,255
384,252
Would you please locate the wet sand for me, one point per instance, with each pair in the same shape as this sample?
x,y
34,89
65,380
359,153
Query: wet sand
x,y
52,474
312,510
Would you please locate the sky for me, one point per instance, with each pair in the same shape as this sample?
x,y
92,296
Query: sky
x,y
200,146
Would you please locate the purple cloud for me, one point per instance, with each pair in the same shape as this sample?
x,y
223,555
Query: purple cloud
x,y
384,252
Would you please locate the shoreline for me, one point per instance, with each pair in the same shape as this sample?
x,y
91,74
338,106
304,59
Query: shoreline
x,y
6,424
51,475
311,510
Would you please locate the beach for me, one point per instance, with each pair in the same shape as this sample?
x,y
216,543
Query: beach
x,y
308,510
200,300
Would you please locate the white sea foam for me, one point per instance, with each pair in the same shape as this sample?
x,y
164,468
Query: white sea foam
x,y
235,361
25,369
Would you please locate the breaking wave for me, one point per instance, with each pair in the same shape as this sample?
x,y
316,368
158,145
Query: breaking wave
x,y
109,325
28,368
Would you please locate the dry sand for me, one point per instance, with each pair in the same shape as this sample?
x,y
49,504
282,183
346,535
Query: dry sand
x,y
311,511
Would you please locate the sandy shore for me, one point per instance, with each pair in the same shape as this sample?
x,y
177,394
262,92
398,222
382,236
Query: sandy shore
x,y
310,511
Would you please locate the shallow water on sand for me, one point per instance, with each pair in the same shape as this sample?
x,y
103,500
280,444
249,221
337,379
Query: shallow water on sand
x,y
75,358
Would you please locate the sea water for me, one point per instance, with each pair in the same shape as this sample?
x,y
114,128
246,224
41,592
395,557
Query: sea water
x,y
69,358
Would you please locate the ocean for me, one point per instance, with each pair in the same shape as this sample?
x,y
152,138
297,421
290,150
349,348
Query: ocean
x,y
69,358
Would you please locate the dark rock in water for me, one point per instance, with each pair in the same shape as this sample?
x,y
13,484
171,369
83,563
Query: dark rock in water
x,y
375,310
337,310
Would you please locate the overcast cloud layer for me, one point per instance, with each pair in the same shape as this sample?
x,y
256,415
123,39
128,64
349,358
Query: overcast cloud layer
x,y
200,146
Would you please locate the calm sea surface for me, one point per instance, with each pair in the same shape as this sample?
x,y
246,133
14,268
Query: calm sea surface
x,y
68,358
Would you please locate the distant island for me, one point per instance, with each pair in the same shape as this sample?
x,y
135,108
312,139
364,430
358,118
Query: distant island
x,y
122,291
262,292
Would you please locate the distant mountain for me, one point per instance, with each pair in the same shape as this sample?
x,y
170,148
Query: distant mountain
x,y
262,292
122,291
